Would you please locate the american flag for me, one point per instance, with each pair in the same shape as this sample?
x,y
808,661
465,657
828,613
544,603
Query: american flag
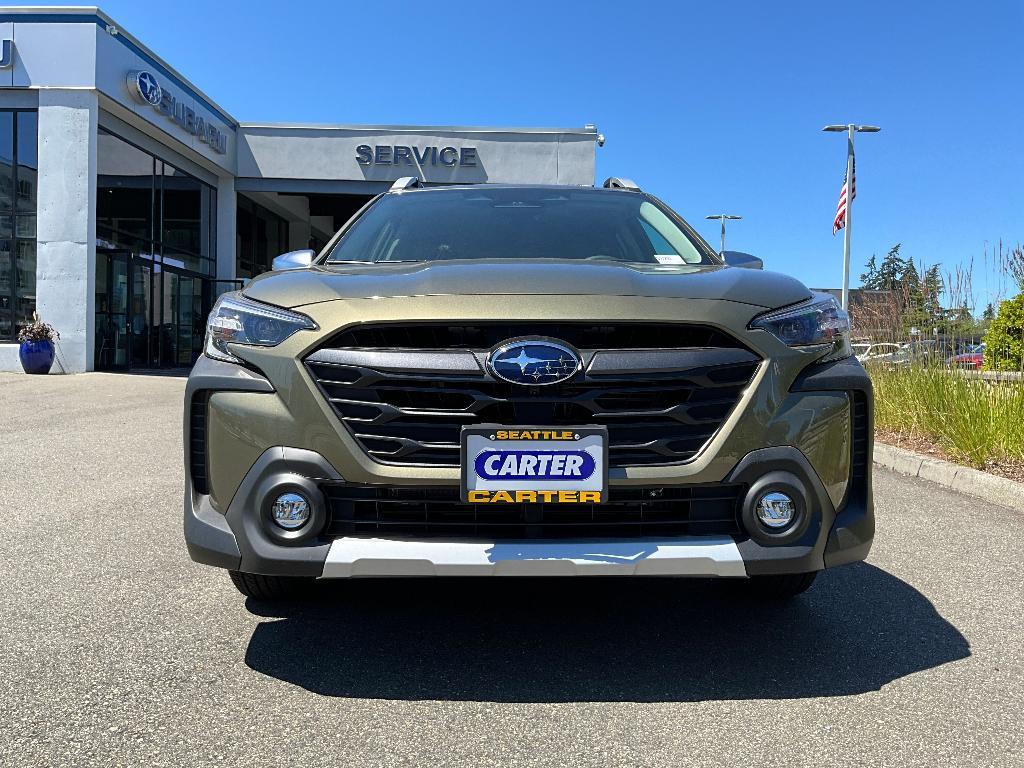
x,y
840,220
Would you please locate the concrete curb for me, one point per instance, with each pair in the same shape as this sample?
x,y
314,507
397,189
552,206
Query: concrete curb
x,y
991,488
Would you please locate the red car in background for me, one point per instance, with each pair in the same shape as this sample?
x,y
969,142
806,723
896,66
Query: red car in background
x,y
972,357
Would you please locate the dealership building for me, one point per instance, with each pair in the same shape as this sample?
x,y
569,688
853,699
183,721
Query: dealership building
x,y
129,200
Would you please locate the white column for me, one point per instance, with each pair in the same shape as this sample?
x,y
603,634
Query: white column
x,y
66,234
227,214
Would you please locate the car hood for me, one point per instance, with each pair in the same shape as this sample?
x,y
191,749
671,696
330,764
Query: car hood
x,y
524,277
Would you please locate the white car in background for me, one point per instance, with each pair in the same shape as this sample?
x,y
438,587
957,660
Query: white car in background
x,y
879,352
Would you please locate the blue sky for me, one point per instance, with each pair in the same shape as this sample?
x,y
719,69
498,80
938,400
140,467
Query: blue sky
x,y
711,106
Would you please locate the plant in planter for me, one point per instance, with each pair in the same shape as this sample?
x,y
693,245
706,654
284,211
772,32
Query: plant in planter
x,y
36,350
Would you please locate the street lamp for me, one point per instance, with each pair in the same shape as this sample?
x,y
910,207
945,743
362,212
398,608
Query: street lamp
x,y
850,130
724,217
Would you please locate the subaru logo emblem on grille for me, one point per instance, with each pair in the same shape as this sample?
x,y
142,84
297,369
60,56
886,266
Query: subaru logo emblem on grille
x,y
534,362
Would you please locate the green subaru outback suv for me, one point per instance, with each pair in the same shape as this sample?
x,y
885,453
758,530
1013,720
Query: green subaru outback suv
x,y
526,381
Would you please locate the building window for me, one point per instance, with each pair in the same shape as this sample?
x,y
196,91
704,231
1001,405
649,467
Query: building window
x,y
156,258
261,236
18,172
153,210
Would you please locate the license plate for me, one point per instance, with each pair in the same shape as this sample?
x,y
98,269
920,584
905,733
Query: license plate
x,y
523,465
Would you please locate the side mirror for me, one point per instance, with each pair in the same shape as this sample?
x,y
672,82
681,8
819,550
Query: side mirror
x,y
739,259
293,260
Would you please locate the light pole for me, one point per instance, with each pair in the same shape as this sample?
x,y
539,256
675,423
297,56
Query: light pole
x,y
724,217
850,129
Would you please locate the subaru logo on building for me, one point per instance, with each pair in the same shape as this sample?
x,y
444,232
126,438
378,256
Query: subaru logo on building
x,y
535,362
183,110
145,87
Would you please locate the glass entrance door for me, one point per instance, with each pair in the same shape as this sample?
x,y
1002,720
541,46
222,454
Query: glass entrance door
x,y
148,314
113,334
183,321
144,340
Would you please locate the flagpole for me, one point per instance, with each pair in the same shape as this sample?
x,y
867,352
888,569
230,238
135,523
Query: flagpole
x,y
850,129
847,236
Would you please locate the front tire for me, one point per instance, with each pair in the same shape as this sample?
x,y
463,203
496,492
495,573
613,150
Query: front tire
x,y
270,588
780,586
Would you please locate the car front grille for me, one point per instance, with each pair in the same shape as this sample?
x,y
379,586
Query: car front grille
x,y
398,511
407,405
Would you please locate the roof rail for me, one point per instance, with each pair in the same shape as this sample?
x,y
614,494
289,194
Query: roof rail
x,y
406,182
615,182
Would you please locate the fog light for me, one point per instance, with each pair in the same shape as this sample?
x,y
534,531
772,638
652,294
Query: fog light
x,y
775,510
290,511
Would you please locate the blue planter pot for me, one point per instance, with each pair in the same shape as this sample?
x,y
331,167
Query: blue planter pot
x,y
36,356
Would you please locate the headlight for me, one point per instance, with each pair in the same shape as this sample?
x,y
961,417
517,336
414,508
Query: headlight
x,y
238,320
819,321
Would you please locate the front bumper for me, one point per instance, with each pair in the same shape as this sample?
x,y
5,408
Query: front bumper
x,y
677,556
237,537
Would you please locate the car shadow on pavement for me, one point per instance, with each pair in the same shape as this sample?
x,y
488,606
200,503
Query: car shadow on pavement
x,y
593,639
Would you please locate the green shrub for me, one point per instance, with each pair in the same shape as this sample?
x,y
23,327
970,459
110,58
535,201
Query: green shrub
x,y
973,420
1004,339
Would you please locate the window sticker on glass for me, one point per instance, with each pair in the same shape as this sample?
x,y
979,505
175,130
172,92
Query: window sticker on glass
x,y
669,258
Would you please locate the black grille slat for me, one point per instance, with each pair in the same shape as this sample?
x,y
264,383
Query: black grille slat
x,y
860,435
197,442
654,416
485,335
438,511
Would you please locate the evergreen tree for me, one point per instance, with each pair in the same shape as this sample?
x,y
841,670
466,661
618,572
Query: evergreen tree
x,y
961,325
912,297
890,272
989,313
932,287
910,282
869,279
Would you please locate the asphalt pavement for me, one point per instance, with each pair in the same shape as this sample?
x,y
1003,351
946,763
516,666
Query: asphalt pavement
x,y
115,649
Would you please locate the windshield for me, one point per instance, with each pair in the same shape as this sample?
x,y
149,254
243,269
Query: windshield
x,y
512,223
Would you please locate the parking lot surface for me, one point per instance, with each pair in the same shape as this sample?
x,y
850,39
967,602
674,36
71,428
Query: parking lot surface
x,y
118,650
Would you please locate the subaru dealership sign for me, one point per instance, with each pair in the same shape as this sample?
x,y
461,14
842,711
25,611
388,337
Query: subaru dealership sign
x,y
145,88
